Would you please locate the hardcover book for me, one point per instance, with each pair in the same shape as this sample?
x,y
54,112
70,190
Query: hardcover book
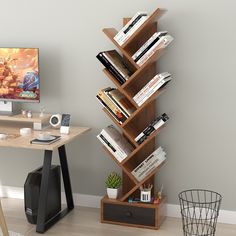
x,y
118,62
106,102
146,46
136,21
51,139
111,68
121,101
118,141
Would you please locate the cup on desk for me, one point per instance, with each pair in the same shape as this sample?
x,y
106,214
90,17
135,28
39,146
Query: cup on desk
x,y
3,136
44,136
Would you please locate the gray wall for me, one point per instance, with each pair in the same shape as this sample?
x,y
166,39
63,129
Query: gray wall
x,y
200,137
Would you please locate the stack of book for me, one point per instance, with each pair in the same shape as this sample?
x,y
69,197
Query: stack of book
x,y
115,64
115,143
136,21
149,164
157,41
154,125
159,81
116,103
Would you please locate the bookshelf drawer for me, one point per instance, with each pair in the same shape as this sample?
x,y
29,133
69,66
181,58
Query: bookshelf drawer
x,y
129,214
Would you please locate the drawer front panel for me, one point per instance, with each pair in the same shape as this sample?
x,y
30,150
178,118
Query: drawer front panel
x,y
129,214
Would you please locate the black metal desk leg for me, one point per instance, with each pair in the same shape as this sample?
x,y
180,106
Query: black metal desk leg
x,y
66,177
41,218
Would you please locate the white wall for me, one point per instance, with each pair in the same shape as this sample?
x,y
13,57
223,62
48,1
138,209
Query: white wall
x,y
200,137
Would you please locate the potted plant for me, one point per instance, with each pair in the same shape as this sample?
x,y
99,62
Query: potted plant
x,y
113,183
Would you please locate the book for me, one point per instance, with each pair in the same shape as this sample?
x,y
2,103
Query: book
x,y
111,107
134,23
154,81
148,91
115,142
161,43
146,46
149,164
116,60
118,141
111,68
110,148
154,125
52,139
121,101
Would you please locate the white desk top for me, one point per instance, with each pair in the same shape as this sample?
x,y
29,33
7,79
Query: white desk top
x,y
17,141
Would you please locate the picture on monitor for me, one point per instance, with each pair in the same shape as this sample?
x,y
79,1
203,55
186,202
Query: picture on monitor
x,y
19,74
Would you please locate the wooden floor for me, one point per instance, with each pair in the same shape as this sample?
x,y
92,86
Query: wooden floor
x,y
85,222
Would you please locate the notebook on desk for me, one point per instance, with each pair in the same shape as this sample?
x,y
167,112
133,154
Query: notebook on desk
x,y
50,140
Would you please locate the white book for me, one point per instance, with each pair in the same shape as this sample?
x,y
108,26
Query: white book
x,y
148,166
153,155
152,91
163,42
117,140
111,149
151,84
113,143
148,42
126,36
129,23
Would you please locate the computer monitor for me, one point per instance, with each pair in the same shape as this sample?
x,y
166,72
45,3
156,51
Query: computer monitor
x,y
19,75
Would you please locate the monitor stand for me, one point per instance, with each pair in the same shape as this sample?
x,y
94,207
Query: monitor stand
x,y
7,109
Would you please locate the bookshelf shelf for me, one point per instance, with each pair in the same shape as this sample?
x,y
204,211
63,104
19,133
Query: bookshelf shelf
x,y
133,125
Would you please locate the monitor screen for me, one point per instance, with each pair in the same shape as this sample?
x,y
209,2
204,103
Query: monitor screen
x,y
19,74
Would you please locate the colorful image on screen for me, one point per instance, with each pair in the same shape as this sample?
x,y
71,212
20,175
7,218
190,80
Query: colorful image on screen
x,y
19,74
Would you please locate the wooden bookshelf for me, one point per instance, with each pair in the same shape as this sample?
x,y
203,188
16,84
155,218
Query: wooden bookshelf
x,y
120,211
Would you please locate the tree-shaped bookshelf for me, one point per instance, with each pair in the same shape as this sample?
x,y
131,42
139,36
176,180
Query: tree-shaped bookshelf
x,y
120,211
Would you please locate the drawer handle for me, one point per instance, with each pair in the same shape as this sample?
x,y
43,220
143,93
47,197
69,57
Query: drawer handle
x,y
128,214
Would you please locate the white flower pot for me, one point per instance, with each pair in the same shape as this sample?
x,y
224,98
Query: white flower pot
x,y
112,193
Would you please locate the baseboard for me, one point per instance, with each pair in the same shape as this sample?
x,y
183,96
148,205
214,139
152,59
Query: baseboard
x,y
227,217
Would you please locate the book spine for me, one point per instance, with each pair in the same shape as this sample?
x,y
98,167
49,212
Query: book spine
x,y
163,42
145,45
147,166
110,68
133,29
107,57
114,144
132,21
109,110
149,94
145,89
119,114
116,103
147,49
109,147
153,82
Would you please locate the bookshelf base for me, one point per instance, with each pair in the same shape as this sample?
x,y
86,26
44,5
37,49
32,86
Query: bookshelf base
x,y
133,214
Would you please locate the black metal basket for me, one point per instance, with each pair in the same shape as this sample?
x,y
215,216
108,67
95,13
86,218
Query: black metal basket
x,y
199,210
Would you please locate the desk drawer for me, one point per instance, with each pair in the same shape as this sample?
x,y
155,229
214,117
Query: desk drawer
x,y
129,214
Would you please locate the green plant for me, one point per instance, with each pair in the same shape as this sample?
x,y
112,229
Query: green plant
x,y
113,180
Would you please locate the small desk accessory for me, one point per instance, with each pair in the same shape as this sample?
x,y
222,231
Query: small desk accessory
x,y
55,120
65,124
25,131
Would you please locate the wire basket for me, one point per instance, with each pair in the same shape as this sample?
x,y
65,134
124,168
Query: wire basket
x,y
199,210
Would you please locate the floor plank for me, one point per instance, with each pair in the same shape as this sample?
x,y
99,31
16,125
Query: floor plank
x,y
84,221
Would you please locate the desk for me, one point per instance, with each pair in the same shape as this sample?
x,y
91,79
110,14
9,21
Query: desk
x,y
17,141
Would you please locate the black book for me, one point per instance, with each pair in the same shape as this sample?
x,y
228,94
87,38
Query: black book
x,y
111,68
50,140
